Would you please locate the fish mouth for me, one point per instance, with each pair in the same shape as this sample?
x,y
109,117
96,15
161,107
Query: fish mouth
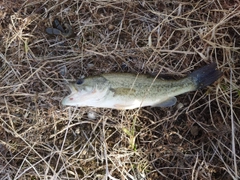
x,y
72,88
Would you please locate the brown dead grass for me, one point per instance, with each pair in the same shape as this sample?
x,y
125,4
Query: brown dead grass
x,y
40,139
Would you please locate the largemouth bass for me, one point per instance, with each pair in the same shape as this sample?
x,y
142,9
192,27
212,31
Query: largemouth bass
x,y
129,91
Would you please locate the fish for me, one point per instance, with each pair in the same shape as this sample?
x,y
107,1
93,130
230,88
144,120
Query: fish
x,y
129,91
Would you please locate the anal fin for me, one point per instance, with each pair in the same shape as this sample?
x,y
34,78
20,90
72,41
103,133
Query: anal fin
x,y
167,103
123,106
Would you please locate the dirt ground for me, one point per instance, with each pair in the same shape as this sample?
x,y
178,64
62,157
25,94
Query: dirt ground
x,y
197,139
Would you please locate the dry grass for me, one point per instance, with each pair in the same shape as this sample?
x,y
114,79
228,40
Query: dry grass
x,y
40,139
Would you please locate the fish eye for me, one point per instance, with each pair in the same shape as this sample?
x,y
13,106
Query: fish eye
x,y
79,81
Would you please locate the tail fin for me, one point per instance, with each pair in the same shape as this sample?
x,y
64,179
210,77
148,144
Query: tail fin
x,y
205,75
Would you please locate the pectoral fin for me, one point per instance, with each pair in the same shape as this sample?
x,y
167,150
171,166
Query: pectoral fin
x,y
167,103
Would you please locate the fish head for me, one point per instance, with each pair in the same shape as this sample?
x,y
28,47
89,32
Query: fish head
x,y
86,92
